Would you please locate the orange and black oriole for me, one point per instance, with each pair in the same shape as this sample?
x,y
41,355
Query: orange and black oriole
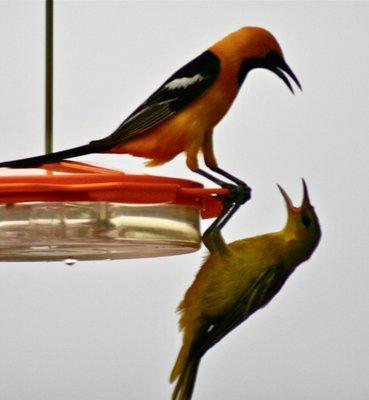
x,y
180,116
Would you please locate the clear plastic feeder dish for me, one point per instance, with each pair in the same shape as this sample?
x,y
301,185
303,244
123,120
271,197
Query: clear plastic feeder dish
x,y
82,212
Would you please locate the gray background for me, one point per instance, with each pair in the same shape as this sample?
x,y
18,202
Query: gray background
x,y
108,330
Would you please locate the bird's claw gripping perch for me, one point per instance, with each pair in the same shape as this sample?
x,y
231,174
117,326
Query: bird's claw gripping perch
x,y
238,195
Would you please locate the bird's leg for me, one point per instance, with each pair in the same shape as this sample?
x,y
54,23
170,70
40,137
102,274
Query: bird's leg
x,y
209,236
237,196
214,241
228,216
208,240
240,192
212,178
192,164
227,175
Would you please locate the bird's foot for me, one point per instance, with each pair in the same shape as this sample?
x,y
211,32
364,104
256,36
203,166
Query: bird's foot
x,y
239,191
238,194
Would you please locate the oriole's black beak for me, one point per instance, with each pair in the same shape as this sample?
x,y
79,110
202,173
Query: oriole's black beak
x,y
278,65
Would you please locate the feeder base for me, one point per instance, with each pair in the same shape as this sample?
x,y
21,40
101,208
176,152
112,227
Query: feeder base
x,y
50,231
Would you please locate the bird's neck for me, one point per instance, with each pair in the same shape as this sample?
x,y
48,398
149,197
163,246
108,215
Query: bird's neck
x,y
296,249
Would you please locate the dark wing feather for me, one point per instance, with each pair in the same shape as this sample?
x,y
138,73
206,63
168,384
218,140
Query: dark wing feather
x,y
181,89
256,296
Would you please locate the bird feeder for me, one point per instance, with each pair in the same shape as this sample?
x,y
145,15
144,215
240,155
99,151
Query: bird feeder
x,y
74,211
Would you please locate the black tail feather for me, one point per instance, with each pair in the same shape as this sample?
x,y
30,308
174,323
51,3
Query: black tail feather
x,y
50,158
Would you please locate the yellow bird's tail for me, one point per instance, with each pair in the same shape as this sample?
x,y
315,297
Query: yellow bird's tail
x,y
186,379
180,364
186,366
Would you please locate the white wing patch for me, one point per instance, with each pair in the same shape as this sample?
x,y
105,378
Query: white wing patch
x,y
182,83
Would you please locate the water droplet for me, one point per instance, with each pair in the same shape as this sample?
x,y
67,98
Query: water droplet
x,y
70,262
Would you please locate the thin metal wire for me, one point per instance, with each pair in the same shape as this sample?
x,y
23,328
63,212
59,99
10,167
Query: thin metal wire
x,y
49,77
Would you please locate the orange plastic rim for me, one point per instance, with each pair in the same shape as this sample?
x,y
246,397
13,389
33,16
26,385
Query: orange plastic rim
x,y
74,181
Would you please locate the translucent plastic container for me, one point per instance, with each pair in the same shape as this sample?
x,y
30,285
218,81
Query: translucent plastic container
x,y
96,230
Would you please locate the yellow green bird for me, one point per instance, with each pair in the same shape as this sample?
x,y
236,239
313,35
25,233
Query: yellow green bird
x,y
236,280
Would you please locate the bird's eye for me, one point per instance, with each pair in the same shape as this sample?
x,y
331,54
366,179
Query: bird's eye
x,y
306,220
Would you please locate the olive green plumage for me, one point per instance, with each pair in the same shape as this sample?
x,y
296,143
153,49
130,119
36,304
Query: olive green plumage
x,y
236,280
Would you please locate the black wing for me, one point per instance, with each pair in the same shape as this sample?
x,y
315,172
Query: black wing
x,y
183,87
256,296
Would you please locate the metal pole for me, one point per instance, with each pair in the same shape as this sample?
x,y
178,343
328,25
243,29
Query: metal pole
x,y
49,77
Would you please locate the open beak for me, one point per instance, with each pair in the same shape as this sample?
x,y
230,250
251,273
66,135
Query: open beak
x,y
305,200
282,70
288,201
